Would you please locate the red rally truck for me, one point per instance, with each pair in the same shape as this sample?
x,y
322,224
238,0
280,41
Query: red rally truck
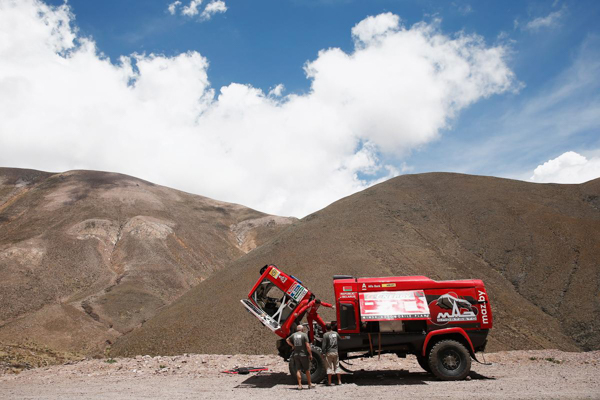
x,y
442,323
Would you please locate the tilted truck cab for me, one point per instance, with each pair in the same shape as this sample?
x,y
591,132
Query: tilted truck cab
x,y
275,300
442,323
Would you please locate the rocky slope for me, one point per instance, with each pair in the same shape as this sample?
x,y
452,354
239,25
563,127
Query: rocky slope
x,y
536,246
87,256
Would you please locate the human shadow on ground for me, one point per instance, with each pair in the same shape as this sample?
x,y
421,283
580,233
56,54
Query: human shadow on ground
x,y
478,377
266,380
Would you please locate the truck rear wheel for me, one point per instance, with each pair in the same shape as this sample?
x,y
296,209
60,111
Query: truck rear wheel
x,y
318,370
449,360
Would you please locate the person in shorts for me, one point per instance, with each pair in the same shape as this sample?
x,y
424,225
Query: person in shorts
x,y
330,351
301,355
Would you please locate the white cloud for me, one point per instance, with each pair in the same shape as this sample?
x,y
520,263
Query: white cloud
x,y
191,9
214,7
372,28
564,112
551,20
569,167
277,91
63,106
173,7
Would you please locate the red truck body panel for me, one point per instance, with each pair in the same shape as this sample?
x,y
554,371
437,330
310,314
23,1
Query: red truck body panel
x,y
447,331
400,314
461,303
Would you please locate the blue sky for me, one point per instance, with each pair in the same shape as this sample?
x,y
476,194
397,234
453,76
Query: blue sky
x,y
545,105
264,43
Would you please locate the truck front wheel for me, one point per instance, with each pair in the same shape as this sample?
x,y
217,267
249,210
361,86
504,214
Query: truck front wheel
x,y
317,367
449,360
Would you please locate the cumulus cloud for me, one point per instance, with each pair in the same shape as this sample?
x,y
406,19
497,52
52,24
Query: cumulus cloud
x,y
374,27
63,106
191,9
214,7
569,167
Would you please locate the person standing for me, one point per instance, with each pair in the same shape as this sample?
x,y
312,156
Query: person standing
x,y
313,315
330,351
301,355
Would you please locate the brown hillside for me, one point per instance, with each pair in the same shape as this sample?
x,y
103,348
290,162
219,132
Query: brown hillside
x,y
86,256
536,246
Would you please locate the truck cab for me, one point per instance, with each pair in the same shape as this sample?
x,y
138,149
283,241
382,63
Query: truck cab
x,y
275,300
442,323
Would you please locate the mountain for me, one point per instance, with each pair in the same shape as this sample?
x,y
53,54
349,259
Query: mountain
x,y
88,256
536,247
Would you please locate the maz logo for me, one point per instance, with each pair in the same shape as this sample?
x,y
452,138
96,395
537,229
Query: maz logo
x,y
483,306
461,309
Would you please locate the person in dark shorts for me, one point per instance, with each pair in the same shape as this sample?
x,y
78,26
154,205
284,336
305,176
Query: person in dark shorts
x,y
330,352
301,355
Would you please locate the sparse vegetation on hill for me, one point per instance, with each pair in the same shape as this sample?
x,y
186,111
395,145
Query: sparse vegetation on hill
x,y
87,256
95,261
535,246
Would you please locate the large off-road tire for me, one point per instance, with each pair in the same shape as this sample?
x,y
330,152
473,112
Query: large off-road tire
x,y
318,370
423,362
449,360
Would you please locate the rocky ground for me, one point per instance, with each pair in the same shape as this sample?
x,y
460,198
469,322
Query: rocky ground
x,y
539,374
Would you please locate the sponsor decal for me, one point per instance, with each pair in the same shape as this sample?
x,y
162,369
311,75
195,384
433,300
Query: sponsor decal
x,y
274,273
292,287
483,306
282,278
364,286
378,286
347,288
454,309
297,291
386,306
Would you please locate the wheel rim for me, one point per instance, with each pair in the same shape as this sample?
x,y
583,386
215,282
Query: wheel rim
x,y
450,360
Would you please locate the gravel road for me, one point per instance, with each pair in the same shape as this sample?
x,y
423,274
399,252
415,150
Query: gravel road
x,y
543,374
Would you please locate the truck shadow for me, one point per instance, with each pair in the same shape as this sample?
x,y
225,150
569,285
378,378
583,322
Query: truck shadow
x,y
359,378
387,378
397,377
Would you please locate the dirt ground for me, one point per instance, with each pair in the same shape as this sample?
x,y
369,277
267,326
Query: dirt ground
x,y
540,374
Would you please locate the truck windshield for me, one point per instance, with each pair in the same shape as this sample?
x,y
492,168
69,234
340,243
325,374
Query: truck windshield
x,y
273,301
